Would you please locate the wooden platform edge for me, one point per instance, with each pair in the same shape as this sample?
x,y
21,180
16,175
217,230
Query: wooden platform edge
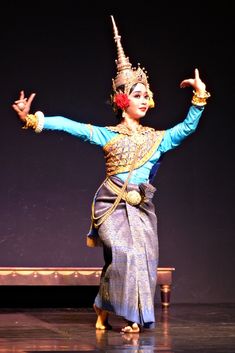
x,y
66,276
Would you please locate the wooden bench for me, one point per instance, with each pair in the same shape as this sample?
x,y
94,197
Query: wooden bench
x,y
73,276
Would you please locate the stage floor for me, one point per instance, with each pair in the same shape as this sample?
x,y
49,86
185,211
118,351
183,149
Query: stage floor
x,y
188,328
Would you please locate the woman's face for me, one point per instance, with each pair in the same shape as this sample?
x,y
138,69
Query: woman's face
x,y
139,102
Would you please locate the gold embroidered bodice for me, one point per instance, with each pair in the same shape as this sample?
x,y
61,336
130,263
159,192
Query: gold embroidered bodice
x,y
120,150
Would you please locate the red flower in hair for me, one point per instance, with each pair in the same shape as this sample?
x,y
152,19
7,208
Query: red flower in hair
x,y
121,100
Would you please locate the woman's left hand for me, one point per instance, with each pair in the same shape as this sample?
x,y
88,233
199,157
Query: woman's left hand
x,y
195,82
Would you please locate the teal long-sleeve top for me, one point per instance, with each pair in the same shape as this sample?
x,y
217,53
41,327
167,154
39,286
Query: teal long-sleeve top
x,y
100,136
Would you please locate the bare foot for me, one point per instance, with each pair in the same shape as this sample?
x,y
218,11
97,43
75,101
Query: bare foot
x,y
102,319
134,328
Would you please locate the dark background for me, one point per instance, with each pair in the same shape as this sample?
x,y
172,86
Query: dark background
x,y
66,54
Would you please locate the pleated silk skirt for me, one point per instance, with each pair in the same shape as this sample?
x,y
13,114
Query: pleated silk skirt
x,y
130,245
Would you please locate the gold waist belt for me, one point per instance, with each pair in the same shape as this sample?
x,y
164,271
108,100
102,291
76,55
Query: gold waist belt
x,y
132,197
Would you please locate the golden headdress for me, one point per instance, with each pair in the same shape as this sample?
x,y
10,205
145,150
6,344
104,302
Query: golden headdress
x,y
127,75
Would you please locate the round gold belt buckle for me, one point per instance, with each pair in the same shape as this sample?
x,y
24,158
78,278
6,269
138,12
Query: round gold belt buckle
x,y
133,197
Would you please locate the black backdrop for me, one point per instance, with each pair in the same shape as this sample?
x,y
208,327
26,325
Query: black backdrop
x,y
67,56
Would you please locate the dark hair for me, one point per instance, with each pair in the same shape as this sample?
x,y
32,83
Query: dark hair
x,y
118,111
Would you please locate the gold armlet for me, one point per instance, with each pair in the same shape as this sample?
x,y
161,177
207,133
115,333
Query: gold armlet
x,y
34,121
200,99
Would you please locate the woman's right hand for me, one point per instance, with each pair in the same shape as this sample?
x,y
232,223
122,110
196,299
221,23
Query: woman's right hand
x,y
22,105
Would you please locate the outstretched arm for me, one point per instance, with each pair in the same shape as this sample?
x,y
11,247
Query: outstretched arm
x,y
174,136
86,132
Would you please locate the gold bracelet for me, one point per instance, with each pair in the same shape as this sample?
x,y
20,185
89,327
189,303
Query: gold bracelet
x,y
34,121
200,99
31,121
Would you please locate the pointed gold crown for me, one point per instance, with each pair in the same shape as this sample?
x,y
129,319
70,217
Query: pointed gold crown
x,y
126,74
